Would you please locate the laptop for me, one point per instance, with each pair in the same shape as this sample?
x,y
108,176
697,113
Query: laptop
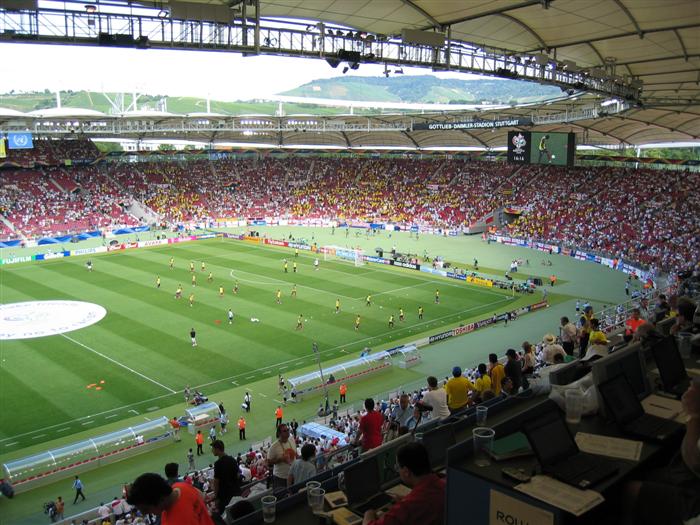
x,y
560,457
671,367
363,486
627,411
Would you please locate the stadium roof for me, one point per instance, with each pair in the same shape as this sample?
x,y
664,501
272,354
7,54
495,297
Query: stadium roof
x,y
655,42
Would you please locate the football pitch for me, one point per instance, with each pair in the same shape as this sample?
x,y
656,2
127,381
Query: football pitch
x,y
139,357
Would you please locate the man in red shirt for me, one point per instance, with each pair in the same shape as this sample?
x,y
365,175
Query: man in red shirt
x,y
370,433
425,504
181,504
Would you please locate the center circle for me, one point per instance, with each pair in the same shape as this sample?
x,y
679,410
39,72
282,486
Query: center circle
x,y
41,318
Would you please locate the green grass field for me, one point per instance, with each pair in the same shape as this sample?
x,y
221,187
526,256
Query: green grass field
x,y
142,351
43,394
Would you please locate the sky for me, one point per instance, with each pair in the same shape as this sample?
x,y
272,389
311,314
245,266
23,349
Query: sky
x,y
217,75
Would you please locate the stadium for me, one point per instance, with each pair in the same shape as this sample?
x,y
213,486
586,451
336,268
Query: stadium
x,y
173,271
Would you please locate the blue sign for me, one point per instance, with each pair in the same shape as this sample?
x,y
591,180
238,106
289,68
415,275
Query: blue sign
x,y
19,141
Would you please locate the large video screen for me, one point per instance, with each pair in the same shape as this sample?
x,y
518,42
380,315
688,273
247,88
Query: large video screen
x,y
531,147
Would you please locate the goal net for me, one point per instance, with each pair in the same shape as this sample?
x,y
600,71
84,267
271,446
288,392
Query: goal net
x,y
337,253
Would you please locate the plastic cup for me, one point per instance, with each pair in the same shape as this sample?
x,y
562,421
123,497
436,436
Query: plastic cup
x,y
483,443
269,503
310,485
574,406
481,413
316,497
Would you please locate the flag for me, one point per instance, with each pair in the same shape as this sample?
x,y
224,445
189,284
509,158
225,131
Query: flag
x,y
19,141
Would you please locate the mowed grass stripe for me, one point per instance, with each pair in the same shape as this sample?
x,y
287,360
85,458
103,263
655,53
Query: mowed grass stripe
x,y
148,330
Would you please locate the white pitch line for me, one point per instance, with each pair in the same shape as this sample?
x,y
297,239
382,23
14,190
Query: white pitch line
x,y
87,423
10,444
39,436
63,429
250,377
119,364
404,288
263,395
234,383
111,415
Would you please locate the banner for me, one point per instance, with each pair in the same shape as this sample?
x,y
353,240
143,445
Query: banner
x,y
3,152
19,141
475,124
481,282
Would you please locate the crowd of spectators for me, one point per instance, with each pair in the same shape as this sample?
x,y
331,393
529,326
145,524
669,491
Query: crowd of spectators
x,y
641,215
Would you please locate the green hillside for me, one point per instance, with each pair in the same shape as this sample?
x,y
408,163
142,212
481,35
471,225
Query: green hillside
x,y
425,89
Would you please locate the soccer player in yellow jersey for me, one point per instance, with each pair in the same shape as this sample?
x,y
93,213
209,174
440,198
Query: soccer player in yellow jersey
x,y
357,323
401,316
235,287
278,296
337,306
191,300
286,266
294,290
158,281
391,321
192,266
300,322
368,301
204,266
420,312
178,292
221,291
210,278
437,296
171,264
194,279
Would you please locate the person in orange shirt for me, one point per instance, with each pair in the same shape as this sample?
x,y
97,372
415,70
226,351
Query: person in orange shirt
x,y
278,416
633,323
177,505
552,280
241,428
343,391
199,440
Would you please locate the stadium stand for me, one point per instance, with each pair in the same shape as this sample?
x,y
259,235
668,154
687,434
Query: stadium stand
x,y
636,213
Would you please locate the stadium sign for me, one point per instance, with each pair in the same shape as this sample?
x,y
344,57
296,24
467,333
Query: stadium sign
x,y
475,124
41,318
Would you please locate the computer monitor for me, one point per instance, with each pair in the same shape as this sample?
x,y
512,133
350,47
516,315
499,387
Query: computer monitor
x,y
628,362
550,438
362,480
671,367
437,442
620,400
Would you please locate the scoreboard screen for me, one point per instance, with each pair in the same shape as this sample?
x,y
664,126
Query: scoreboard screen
x,y
531,147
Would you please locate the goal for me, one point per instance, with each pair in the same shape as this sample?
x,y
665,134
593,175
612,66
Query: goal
x,y
338,253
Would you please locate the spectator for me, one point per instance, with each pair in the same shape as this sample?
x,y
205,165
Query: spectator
x,y
281,455
171,473
513,370
569,334
496,373
227,478
457,390
175,505
370,427
303,468
425,504
551,348
437,399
